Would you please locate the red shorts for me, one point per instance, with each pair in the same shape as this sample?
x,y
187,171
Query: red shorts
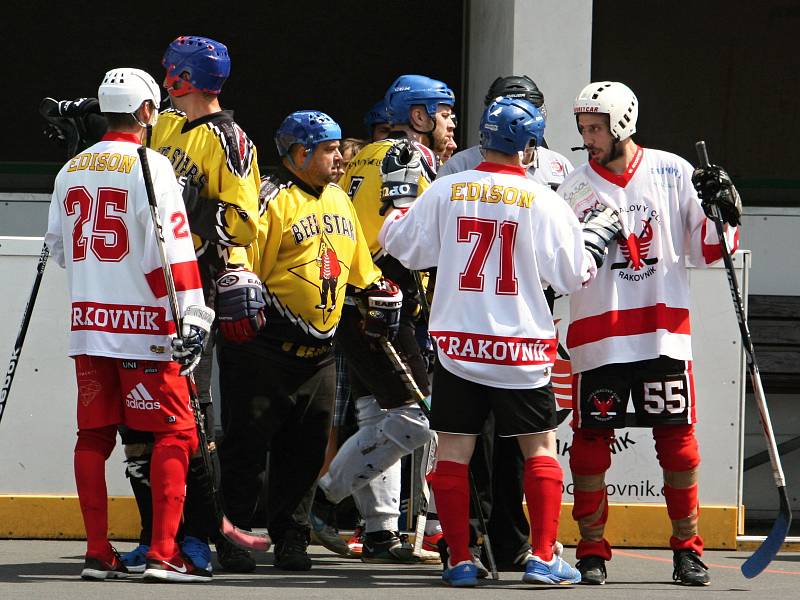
x,y
143,394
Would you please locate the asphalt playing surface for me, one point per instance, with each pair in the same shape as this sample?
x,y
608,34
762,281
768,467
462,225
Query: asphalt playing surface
x,y
51,569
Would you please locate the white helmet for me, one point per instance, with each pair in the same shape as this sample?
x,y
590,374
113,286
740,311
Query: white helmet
x,y
124,89
614,99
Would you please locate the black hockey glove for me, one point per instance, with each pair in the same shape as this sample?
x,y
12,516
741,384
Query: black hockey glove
x,y
73,124
380,305
715,188
241,304
400,172
188,346
600,227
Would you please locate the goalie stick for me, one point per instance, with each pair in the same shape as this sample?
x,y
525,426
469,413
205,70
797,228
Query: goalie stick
x,y
23,329
239,537
764,554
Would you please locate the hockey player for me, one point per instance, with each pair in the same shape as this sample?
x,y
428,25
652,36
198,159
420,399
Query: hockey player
x,y
495,236
279,385
376,121
100,229
420,111
629,335
548,167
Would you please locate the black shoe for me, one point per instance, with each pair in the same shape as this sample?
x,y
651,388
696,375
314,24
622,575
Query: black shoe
x,y
233,559
689,569
96,569
387,547
291,551
592,570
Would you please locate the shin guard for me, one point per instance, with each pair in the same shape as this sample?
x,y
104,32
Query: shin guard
x,y
590,458
451,486
542,481
92,449
137,470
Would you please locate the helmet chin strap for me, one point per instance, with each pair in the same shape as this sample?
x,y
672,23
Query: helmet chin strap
x,y
429,133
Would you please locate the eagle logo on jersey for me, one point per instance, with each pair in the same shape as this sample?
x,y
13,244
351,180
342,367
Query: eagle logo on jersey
x,y
636,248
604,403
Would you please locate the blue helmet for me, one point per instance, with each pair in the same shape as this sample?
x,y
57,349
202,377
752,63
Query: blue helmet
x,y
411,90
509,124
307,128
205,60
376,115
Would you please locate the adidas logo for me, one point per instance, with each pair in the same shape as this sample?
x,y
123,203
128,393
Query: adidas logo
x,y
139,398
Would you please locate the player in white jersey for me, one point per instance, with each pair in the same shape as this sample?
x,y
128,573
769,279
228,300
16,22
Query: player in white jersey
x,y
629,336
548,167
122,335
495,236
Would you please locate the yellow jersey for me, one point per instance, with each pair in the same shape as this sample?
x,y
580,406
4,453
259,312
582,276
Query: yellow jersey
x,y
309,247
215,154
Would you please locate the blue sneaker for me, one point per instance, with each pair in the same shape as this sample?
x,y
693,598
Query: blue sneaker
x,y
556,572
464,574
198,552
136,560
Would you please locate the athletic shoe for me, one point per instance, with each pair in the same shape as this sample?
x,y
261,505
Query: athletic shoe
x,y
97,569
198,551
464,574
136,560
431,542
179,568
328,536
389,547
592,569
291,552
689,569
556,572
233,559
355,542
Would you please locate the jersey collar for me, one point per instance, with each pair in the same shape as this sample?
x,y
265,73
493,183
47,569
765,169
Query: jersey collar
x,y
286,175
620,179
222,115
491,167
119,136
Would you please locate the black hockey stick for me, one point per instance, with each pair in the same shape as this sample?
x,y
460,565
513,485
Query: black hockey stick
x,y
764,554
23,329
412,387
239,537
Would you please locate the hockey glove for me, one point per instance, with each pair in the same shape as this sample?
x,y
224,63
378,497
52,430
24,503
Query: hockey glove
x,y
600,227
380,305
187,348
241,304
715,188
73,124
400,172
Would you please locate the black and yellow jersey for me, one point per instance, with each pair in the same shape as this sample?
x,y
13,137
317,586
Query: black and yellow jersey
x,y
309,247
362,182
214,153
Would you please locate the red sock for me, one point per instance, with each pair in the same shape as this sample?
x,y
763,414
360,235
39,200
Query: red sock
x,y
94,446
542,481
451,487
168,469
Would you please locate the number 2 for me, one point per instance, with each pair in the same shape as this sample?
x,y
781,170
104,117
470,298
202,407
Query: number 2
x,y
484,232
105,223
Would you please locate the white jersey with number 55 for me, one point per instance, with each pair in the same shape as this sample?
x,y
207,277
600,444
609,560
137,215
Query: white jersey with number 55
x,y
101,230
497,238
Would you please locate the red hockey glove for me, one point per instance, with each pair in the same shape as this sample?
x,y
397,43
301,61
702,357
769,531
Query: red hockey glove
x,y
241,304
380,305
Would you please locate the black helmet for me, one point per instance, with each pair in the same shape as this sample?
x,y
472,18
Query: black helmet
x,y
515,86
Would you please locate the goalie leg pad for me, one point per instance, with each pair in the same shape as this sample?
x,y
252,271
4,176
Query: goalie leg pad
x,y
379,500
590,458
92,449
382,439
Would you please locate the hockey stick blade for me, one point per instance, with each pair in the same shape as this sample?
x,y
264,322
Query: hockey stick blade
x,y
771,545
243,538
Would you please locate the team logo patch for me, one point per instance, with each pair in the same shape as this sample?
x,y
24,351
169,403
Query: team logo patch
x,y
605,403
227,281
636,253
88,388
556,167
129,364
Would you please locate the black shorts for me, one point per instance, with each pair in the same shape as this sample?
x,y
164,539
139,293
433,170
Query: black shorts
x,y
662,390
461,406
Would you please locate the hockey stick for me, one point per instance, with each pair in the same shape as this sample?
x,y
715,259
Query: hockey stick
x,y
239,537
23,329
764,554
412,387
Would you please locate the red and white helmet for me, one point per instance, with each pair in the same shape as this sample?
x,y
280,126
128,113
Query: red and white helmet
x,y
124,89
614,99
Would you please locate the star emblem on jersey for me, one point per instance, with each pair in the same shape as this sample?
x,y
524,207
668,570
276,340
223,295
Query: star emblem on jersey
x,y
635,250
326,273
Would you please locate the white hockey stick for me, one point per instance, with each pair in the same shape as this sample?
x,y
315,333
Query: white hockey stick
x,y
764,554
239,537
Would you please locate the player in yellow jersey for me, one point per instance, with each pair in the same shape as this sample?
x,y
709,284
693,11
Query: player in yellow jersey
x,y
278,382
420,110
